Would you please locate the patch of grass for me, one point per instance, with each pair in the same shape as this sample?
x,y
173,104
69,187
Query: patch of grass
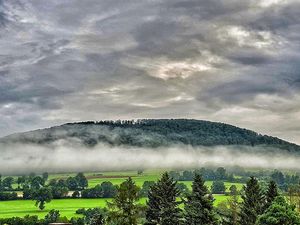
x,y
66,207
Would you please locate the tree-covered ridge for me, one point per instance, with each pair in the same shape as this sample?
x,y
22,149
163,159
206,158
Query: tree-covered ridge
x,y
153,133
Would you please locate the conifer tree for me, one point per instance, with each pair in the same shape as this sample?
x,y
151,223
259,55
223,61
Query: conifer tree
x,y
199,205
279,213
252,202
271,194
125,209
162,207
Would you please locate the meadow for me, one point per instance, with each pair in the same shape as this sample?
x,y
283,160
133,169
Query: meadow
x,y
68,207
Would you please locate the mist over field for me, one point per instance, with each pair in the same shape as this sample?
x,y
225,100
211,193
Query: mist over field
x,y
72,156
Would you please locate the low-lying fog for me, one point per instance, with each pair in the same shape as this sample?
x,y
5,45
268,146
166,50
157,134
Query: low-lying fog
x,y
73,157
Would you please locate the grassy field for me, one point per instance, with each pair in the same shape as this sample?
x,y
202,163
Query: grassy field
x,y
67,207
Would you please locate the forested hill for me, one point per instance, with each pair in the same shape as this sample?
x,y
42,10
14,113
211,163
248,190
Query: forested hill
x,y
152,133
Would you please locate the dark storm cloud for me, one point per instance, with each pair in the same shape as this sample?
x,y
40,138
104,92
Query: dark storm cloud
x,y
229,61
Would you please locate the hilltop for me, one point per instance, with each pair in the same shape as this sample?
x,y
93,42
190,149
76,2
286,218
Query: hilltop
x,y
152,133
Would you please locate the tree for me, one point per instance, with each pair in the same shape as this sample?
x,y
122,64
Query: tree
x,y
162,207
271,194
81,181
97,219
233,203
42,196
252,202
59,191
20,181
199,205
218,187
183,189
220,173
37,182
7,183
233,190
278,177
52,216
108,189
279,213
294,195
124,209
45,176
145,188
72,183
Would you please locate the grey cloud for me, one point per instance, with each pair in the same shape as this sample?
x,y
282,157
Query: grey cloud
x,y
67,60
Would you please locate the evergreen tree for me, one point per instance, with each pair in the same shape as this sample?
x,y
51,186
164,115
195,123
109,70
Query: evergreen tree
x,y
279,213
252,202
271,194
124,209
199,205
162,207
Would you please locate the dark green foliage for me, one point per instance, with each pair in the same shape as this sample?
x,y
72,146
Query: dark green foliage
x,y
162,207
153,133
21,181
52,216
199,205
125,209
108,189
7,183
59,192
45,176
252,205
93,216
95,192
145,188
218,187
82,182
233,190
278,177
183,189
42,196
4,196
221,173
77,221
72,183
105,190
59,189
271,194
36,182
27,220
279,213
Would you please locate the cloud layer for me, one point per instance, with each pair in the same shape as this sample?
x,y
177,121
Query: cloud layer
x,y
73,157
231,61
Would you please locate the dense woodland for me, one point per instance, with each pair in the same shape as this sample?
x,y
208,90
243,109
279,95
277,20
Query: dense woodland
x,y
268,198
153,133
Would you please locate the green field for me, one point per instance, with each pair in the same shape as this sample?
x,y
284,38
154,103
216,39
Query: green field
x,y
67,207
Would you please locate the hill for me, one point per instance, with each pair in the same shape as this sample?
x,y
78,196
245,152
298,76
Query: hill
x,y
151,133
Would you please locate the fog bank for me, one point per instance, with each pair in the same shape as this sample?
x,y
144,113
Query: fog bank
x,y
73,157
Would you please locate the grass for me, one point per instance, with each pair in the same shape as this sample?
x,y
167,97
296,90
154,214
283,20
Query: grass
x,y
68,207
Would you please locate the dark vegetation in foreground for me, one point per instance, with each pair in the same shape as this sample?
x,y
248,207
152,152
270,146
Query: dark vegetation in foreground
x,y
152,133
260,202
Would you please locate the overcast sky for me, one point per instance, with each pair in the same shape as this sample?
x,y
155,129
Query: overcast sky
x,y
234,61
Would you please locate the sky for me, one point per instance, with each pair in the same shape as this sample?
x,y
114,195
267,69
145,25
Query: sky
x,y
229,61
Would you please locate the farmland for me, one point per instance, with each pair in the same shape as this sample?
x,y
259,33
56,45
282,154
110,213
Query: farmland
x,y
68,207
